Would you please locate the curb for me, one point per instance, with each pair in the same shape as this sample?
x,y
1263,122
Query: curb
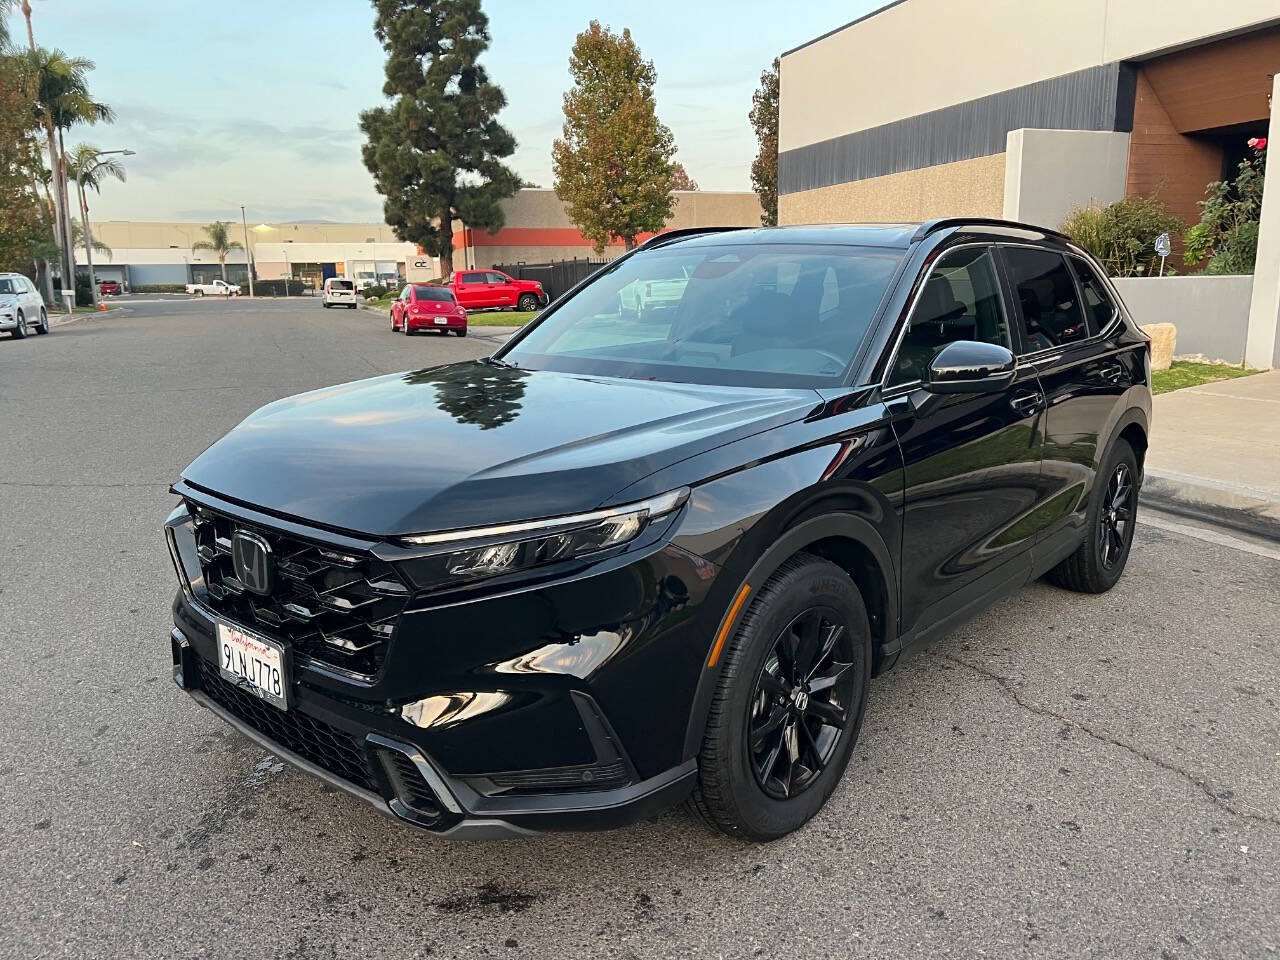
x,y
1245,509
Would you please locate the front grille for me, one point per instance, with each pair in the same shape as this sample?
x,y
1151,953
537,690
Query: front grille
x,y
314,740
332,604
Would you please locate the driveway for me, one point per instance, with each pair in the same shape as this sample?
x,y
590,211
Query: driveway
x,y
1065,776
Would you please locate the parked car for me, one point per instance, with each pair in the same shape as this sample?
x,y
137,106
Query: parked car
x,y
21,306
494,290
219,288
615,565
339,291
109,288
426,306
648,298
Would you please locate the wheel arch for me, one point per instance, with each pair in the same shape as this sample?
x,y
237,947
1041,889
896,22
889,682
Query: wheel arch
x,y
1132,428
851,543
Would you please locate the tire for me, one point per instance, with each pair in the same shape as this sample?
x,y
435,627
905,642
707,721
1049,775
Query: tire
x,y
405,324
731,794
352,306
199,293
43,326
326,305
1100,560
461,333
20,331
528,302
394,328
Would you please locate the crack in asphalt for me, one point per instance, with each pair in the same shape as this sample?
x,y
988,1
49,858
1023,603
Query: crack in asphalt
x,y
1007,687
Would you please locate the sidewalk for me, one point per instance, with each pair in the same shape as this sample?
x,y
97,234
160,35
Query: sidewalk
x,y
1215,453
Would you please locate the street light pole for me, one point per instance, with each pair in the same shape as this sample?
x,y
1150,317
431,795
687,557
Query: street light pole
x,y
88,232
247,255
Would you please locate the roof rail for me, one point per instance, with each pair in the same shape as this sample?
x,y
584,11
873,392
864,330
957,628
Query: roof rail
x,y
661,239
942,223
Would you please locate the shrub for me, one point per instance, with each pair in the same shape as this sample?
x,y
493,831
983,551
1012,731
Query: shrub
x,y
1122,235
84,291
1227,234
157,288
275,288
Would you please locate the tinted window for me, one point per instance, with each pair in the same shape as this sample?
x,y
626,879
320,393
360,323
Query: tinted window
x,y
960,301
7,285
404,294
498,278
341,285
1047,298
473,278
750,314
1097,300
425,292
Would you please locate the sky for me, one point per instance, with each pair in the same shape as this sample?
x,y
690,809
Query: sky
x,y
235,102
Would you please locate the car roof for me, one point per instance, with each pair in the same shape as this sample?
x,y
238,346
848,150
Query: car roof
x,y
894,235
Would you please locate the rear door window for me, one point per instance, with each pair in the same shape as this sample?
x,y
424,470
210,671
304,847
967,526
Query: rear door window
x,y
1098,304
473,278
1048,301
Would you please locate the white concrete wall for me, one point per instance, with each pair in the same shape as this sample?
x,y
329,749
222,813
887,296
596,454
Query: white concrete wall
x,y
1263,350
1211,313
920,55
1049,173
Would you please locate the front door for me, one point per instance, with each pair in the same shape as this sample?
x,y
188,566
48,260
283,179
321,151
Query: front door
x,y
972,461
504,291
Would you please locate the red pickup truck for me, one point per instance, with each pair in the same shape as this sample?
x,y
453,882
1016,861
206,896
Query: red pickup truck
x,y
490,289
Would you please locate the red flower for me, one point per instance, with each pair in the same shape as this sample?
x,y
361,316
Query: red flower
x,y
1258,143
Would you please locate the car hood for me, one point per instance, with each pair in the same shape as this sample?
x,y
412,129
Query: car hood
x,y
473,443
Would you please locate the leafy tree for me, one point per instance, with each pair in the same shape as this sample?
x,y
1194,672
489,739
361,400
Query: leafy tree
x,y
764,120
1122,235
436,151
219,242
680,179
1230,217
613,166
26,227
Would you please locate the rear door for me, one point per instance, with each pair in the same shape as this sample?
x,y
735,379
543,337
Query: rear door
x,y
972,461
1071,329
470,289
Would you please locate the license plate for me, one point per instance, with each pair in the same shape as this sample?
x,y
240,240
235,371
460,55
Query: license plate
x,y
253,663
442,320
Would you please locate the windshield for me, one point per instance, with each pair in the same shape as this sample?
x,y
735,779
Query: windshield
x,y
744,314
425,292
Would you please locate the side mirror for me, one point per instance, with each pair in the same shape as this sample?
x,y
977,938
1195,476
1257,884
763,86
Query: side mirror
x,y
967,366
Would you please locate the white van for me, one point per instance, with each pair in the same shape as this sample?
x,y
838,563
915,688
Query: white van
x,y
339,291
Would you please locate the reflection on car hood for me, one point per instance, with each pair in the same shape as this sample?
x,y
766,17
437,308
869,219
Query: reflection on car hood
x,y
473,443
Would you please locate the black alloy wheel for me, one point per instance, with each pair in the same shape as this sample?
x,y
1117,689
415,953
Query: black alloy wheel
x,y
790,695
800,706
1115,519
1100,559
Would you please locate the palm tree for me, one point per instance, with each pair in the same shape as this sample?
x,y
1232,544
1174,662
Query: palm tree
x,y
219,242
63,100
89,170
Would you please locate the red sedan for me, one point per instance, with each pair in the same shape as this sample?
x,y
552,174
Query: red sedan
x,y
424,306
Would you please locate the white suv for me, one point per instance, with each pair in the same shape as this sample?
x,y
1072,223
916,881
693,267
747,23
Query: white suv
x,y
21,306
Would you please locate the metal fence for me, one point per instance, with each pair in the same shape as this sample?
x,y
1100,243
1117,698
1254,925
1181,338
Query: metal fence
x,y
556,277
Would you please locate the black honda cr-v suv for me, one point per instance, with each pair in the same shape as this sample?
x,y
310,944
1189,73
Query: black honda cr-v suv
x,y
657,545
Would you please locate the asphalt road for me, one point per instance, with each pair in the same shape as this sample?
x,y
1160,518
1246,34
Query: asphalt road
x,y
1065,777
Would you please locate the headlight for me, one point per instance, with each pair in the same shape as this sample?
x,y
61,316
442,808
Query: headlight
x,y
509,548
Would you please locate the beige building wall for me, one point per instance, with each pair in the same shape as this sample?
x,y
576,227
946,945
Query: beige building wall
x,y
968,188
128,234
921,55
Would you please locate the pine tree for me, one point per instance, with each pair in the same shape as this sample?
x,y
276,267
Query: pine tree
x,y
436,151
613,167
764,168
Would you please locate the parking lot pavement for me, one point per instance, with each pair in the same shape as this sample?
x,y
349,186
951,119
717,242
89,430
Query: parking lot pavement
x,y
1066,776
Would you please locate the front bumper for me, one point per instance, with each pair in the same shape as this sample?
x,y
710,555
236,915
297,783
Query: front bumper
x,y
8,321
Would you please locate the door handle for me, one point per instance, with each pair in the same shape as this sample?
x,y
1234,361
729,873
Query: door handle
x,y
1110,372
1027,402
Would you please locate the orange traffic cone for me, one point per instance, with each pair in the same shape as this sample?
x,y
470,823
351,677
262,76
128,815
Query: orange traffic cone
x,y
102,307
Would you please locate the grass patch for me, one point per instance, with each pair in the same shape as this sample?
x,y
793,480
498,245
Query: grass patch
x,y
382,303
1188,373
501,318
